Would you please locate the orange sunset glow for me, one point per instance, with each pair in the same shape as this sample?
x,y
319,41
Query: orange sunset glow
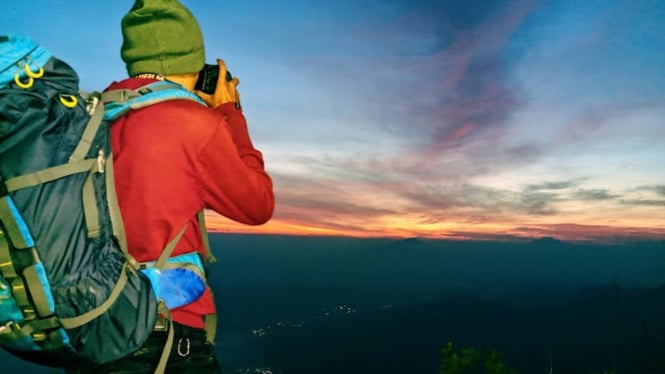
x,y
405,228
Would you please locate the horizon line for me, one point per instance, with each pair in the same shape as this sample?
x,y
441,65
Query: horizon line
x,y
617,240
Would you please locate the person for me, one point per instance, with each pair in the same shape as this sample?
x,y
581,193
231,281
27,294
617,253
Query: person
x,y
175,158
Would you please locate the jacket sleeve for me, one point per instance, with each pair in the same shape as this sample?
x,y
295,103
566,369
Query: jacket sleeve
x,y
236,184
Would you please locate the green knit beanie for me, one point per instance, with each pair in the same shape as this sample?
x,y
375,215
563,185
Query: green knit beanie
x,y
161,37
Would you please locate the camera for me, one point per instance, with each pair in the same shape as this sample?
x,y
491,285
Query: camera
x,y
208,77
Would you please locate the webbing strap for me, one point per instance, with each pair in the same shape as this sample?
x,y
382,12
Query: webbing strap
x,y
96,112
48,175
204,236
57,172
114,207
210,322
73,322
45,323
37,290
14,225
90,210
210,326
170,246
164,359
120,95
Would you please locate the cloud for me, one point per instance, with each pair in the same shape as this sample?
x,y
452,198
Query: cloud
x,y
460,97
660,190
434,78
323,201
439,65
643,202
594,194
646,196
539,204
551,186
468,79
474,203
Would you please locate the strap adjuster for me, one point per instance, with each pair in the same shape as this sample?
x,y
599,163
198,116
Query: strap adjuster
x,y
161,324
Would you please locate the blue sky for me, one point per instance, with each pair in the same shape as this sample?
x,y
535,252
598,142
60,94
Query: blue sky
x,y
451,119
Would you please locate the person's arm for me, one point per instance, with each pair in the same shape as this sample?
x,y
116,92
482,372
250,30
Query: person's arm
x,y
235,183
238,129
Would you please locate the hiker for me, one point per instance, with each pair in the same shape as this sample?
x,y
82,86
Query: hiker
x,y
173,159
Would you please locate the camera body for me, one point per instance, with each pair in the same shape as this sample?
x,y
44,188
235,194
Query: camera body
x,y
208,77
207,81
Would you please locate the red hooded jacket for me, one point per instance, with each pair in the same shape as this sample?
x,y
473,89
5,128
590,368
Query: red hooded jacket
x,y
173,159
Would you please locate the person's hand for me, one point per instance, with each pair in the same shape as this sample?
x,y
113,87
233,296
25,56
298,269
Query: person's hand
x,y
225,91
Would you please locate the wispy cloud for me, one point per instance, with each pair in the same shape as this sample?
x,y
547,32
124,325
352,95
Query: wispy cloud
x,y
644,202
560,185
471,84
325,202
594,194
646,196
660,190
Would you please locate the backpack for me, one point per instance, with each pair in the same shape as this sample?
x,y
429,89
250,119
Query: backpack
x,y
69,290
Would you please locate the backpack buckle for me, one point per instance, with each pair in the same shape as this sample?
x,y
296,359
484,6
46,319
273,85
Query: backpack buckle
x,y
144,90
161,324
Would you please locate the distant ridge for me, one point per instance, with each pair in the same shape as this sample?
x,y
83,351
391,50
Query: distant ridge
x,y
548,241
408,244
413,241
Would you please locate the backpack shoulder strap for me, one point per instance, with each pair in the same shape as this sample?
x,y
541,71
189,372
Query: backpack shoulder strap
x,y
119,102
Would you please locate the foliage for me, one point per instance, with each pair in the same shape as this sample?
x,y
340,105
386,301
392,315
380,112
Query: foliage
x,y
471,361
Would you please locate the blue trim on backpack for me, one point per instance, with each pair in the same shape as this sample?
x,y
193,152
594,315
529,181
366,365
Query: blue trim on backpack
x,y
23,228
41,274
15,49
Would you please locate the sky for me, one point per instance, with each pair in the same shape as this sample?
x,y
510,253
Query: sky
x,y
449,119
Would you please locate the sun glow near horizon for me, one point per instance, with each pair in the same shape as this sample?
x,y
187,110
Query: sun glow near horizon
x,y
405,228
